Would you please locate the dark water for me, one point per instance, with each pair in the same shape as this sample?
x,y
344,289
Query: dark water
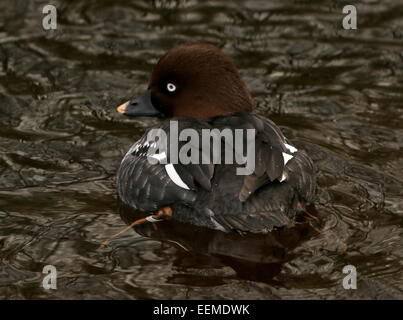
x,y
336,93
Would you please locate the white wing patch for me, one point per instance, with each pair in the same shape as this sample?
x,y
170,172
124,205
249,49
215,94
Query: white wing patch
x,y
144,149
287,157
174,176
159,156
291,148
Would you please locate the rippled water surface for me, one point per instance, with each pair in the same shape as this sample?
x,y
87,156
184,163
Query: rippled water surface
x,y
336,93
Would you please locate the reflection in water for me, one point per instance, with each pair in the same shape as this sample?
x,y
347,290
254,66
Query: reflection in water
x,y
256,257
338,94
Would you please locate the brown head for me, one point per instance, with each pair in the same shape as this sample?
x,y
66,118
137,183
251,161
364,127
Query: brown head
x,y
192,80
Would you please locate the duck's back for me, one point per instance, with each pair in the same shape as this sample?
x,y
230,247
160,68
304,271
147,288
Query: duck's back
x,y
215,195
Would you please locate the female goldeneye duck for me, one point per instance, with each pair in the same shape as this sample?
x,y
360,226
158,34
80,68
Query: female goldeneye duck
x,y
199,86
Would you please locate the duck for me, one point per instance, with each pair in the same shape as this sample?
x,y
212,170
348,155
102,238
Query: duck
x,y
198,87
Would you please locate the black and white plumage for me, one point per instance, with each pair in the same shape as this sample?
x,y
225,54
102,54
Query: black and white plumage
x,y
213,195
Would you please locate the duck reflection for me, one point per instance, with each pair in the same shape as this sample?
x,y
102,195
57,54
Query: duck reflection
x,y
257,257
